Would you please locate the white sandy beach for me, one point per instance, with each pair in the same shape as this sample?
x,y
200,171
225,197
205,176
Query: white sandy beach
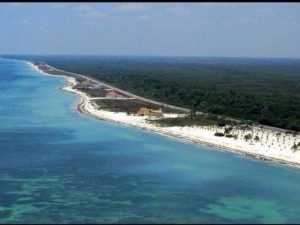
x,y
273,145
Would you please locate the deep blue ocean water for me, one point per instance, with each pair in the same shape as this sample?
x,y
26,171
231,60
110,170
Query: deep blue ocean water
x,y
58,166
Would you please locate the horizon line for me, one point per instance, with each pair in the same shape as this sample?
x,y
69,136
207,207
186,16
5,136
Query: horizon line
x,y
163,56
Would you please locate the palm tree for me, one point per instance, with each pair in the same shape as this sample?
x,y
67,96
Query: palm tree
x,y
295,147
247,137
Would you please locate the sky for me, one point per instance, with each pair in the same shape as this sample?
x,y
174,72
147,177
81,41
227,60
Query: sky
x,y
151,29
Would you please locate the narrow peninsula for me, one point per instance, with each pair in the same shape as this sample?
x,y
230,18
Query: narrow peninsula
x,y
106,102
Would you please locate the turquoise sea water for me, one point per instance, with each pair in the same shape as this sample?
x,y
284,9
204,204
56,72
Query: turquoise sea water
x,y
58,166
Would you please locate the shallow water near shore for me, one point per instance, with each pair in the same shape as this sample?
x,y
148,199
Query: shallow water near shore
x,y
59,166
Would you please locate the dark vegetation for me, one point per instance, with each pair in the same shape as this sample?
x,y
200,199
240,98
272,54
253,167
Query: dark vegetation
x,y
219,134
296,147
261,90
231,136
129,106
248,137
93,93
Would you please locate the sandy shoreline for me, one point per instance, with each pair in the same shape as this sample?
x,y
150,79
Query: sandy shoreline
x,y
273,147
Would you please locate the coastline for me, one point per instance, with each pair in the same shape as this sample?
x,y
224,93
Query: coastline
x,y
85,106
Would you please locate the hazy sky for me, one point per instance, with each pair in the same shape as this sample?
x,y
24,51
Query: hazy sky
x,y
174,29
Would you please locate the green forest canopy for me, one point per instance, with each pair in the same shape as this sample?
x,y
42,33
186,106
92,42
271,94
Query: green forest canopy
x,y
257,89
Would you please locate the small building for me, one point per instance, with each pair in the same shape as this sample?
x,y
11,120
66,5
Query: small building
x,y
84,85
88,85
96,87
149,112
86,82
114,94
